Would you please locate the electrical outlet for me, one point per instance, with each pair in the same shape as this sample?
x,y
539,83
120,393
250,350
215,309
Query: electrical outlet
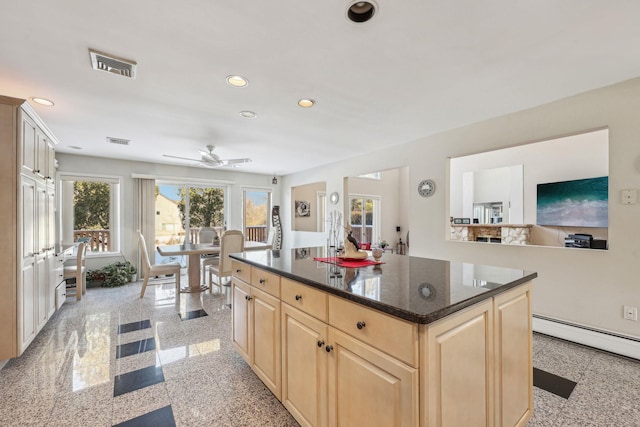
x,y
630,313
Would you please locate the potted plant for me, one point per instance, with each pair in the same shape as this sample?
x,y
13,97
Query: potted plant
x,y
115,275
383,244
131,271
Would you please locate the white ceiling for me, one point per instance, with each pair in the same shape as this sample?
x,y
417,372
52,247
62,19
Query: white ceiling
x,y
417,68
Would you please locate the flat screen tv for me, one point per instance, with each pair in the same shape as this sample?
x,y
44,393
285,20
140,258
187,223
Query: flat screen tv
x,y
577,203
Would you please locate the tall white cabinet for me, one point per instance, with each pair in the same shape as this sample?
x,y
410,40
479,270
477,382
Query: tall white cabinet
x,y
27,226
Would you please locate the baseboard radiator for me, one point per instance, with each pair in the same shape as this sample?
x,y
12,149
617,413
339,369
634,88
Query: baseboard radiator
x,y
603,340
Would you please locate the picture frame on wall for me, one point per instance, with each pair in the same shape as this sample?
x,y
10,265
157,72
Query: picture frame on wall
x,y
303,208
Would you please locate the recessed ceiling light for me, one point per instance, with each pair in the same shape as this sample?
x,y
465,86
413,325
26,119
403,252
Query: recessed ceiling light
x,y
306,103
75,147
361,11
248,114
42,101
237,81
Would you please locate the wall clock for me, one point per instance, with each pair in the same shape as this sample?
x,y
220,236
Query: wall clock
x,y
426,188
334,197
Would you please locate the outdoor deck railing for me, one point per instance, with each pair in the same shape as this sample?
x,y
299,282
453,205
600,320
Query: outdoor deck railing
x,y
99,240
254,233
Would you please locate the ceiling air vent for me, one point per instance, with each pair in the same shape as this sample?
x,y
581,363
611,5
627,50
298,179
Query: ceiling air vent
x,y
119,141
112,64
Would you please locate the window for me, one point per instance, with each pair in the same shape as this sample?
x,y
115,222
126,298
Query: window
x,y
371,175
257,210
183,210
90,210
364,217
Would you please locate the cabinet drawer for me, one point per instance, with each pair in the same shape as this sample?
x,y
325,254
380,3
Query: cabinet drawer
x,y
386,333
304,298
265,281
241,270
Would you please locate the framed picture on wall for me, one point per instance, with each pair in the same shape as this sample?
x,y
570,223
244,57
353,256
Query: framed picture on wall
x,y
302,253
303,208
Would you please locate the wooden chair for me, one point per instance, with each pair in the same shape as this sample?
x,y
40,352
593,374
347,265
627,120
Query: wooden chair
x,y
206,236
232,241
152,270
79,271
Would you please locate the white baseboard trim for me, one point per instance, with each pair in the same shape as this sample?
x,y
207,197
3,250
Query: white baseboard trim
x,y
625,346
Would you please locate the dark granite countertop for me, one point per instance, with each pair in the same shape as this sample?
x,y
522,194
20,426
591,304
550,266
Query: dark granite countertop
x,y
420,290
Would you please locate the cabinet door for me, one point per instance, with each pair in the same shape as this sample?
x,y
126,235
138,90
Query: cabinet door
x,y
266,344
41,153
42,222
457,369
28,199
49,163
513,355
28,144
304,367
42,281
368,387
27,304
240,331
51,265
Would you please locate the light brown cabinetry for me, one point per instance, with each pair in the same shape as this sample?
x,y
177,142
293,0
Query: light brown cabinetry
x,y
256,326
347,364
27,227
457,375
513,361
304,367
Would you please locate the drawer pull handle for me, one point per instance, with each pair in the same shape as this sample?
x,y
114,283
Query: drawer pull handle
x,y
298,297
360,325
248,297
238,271
320,343
262,281
329,348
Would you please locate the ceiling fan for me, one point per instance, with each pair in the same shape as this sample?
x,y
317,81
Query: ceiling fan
x,y
211,160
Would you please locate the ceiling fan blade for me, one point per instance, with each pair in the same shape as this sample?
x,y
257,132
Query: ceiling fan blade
x,y
181,158
228,162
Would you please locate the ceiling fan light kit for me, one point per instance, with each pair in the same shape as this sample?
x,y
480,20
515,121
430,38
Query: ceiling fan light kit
x,y
210,159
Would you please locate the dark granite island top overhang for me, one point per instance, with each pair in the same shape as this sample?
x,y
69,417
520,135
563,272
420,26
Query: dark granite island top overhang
x,y
420,290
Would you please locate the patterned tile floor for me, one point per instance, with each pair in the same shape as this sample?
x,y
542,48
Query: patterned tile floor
x,y
115,359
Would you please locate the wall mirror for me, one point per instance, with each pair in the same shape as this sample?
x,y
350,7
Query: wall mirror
x,y
309,207
376,206
501,194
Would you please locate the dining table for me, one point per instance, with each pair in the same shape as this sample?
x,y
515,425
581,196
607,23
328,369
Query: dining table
x,y
194,251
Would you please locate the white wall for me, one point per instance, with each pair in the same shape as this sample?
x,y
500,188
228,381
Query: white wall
x,y
585,287
74,164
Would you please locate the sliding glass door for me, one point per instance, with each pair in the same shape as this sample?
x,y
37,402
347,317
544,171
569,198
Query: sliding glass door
x,y
182,210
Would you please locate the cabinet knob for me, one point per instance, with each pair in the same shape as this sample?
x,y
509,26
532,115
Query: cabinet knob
x,y
298,297
238,271
320,343
262,281
360,325
329,348
248,297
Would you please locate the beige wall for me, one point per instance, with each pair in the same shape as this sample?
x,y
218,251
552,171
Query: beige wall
x,y
580,286
307,193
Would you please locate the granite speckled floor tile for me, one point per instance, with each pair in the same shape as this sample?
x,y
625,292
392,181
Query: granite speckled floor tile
x,y
67,375
547,407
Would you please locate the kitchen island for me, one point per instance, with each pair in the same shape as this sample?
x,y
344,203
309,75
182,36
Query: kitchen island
x,y
410,342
